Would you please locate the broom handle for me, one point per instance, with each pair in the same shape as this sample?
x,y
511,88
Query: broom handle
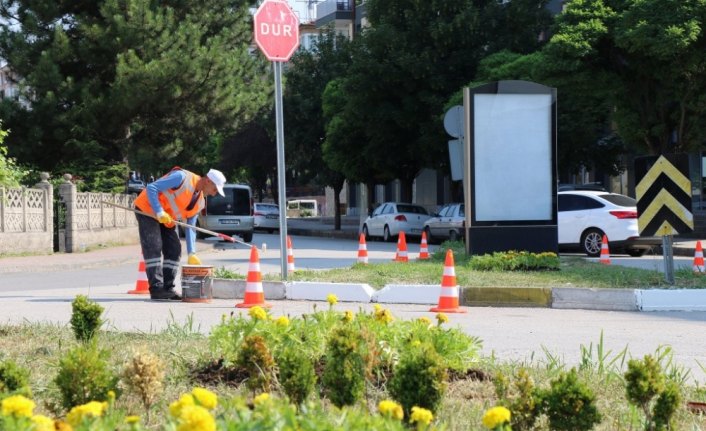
x,y
179,223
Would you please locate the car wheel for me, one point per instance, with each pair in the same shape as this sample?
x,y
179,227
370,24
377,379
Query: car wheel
x,y
386,234
453,236
591,241
247,237
366,235
636,252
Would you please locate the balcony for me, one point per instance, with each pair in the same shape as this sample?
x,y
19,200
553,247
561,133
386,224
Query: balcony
x,y
340,13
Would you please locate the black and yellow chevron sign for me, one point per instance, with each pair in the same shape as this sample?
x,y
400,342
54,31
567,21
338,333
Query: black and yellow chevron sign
x,y
663,195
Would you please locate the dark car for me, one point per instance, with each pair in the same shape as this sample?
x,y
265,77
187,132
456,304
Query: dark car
x,y
135,186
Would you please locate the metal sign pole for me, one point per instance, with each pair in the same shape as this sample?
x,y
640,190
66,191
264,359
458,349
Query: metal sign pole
x,y
282,190
668,258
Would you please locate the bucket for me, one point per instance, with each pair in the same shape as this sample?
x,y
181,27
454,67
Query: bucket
x,y
196,283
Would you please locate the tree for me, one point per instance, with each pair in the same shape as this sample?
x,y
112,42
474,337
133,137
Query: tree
x,y
104,79
10,173
648,58
414,56
306,79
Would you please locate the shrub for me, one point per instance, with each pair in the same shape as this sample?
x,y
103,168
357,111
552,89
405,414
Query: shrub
x,y
345,366
570,404
255,358
419,378
84,376
85,318
647,388
144,374
14,380
515,261
296,374
520,397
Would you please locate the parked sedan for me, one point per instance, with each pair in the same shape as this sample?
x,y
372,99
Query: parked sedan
x,y
585,216
448,223
390,218
266,216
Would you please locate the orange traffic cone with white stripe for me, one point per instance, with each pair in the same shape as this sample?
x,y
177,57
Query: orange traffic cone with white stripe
x,y
448,300
699,258
424,247
401,255
362,250
254,294
142,286
605,253
290,255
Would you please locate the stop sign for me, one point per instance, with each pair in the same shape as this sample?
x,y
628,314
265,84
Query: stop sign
x,y
276,30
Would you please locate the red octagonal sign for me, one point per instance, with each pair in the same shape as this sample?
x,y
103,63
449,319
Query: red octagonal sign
x,y
276,30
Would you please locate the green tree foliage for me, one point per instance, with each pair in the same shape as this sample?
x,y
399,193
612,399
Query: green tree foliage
x,y
646,58
413,57
106,79
307,78
10,173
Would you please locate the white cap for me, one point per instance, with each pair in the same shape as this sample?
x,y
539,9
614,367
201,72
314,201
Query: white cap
x,y
218,179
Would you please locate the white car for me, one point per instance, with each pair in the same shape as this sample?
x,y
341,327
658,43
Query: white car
x,y
585,216
448,223
266,216
390,218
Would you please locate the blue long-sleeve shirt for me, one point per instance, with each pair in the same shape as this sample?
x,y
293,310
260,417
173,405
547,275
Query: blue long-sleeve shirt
x,y
170,181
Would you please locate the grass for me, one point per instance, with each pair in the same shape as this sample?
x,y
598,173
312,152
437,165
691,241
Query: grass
x,y
38,348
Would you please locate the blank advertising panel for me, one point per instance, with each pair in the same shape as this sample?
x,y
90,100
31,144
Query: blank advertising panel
x,y
512,160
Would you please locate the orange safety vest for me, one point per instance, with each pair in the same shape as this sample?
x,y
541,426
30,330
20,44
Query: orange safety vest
x,y
175,201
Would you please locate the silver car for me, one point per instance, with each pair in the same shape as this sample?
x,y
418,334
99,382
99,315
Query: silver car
x,y
266,216
231,214
448,224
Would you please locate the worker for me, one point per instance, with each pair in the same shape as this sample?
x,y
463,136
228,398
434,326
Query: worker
x,y
178,195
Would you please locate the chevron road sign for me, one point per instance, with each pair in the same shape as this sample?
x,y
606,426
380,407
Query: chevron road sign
x,y
663,195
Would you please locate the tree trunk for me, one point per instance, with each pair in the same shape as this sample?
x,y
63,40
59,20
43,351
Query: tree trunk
x,y
337,187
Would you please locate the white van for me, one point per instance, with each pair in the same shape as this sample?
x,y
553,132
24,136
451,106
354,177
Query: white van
x,y
302,208
232,214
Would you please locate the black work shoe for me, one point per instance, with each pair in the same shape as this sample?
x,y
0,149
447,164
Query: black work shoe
x,y
164,295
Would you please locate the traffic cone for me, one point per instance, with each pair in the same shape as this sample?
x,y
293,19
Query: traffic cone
x,y
448,299
142,286
254,294
401,255
605,254
423,247
699,258
362,250
290,255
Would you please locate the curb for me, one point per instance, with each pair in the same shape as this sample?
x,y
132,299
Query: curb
x,y
507,296
595,299
671,300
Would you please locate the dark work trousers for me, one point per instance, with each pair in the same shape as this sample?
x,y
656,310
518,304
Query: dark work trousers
x,y
157,241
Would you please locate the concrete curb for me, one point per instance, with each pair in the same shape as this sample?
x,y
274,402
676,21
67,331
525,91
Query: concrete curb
x,y
408,294
594,299
313,291
507,296
235,289
671,299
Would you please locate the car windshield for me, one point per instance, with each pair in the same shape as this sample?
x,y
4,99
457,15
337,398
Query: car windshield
x,y
620,200
235,202
411,209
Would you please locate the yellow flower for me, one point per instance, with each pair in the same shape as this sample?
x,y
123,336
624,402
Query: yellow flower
x,y
184,401
377,307
383,315
348,316
416,343
420,415
495,417
261,399
62,426
196,418
425,320
90,410
331,299
258,313
391,409
133,419
42,423
205,398
442,318
282,321
17,406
